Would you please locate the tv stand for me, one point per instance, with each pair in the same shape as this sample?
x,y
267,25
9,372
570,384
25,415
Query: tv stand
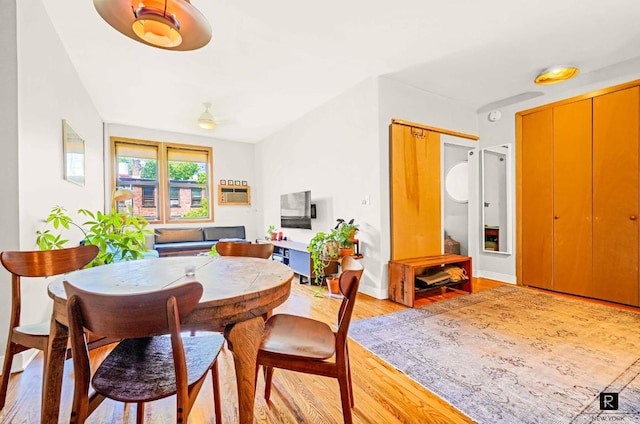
x,y
296,256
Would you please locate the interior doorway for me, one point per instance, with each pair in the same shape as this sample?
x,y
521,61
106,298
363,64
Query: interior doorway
x,y
455,196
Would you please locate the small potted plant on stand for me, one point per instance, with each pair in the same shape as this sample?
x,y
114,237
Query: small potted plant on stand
x,y
345,234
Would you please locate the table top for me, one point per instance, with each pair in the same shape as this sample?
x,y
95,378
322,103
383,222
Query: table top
x,y
235,288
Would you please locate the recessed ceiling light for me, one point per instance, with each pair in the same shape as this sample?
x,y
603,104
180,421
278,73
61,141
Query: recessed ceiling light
x,y
556,74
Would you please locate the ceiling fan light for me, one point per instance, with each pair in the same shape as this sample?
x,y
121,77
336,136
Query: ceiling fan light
x,y
205,120
556,74
122,194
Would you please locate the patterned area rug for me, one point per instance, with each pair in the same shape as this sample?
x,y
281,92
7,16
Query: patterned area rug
x,y
513,355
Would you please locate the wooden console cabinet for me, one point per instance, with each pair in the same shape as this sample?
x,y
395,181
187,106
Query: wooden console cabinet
x,y
403,273
297,257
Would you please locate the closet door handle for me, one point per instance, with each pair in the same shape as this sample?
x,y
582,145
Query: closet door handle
x,y
633,217
556,217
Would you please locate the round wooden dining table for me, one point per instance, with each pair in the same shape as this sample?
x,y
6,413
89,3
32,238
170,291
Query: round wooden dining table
x,y
238,291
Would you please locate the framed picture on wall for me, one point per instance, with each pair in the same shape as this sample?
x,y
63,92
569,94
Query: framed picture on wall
x,y
237,182
73,154
244,183
223,182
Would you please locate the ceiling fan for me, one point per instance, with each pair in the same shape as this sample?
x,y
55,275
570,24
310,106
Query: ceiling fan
x,y
207,121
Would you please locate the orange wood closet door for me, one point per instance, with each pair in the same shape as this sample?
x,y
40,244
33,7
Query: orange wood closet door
x,y
615,195
537,199
572,199
416,228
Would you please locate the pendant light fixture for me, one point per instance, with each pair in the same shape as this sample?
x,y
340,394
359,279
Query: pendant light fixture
x,y
166,24
556,74
205,120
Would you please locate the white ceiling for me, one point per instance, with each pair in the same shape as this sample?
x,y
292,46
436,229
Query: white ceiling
x,y
271,62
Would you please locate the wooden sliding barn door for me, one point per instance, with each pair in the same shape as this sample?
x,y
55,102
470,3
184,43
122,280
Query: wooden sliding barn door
x,y
416,228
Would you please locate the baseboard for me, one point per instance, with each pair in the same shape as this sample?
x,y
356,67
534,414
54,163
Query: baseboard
x,y
21,360
373,292
496,276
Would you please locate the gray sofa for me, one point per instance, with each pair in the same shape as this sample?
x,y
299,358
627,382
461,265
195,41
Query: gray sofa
x,y
193,240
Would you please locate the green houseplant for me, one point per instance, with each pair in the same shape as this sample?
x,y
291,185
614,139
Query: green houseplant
x,y
345,234
323,248
271,233
118,235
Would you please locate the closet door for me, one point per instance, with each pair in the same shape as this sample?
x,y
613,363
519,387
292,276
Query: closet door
x,y
572,199
416,228
615,195
537,199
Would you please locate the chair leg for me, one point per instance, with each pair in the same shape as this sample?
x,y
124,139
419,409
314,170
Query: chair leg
x,y
217,406
6,371
268,376
348,364
140,413
345,397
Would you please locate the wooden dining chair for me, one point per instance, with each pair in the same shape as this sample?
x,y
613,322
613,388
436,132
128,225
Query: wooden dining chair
x,y
253,250
146,365
305,345
39,263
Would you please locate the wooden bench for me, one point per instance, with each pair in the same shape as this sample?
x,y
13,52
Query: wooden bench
x,y
403,272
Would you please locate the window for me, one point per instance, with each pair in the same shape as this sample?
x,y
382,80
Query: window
x,y
196,197
148,196
174,197
171,182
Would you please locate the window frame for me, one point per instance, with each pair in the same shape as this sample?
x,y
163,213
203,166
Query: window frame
x,y
163,202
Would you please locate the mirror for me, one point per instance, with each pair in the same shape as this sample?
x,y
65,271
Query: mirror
x,y
73,152
496,199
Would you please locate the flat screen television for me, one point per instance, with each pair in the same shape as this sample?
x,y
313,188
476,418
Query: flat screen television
x,y
295,210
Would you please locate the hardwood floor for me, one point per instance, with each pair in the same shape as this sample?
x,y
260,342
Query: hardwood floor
x,y
382,394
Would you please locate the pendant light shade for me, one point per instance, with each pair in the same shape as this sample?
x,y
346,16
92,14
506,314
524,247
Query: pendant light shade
x,y
166,24
556,74
206,119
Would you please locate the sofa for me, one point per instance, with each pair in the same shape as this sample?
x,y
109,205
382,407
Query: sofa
x,y
194,240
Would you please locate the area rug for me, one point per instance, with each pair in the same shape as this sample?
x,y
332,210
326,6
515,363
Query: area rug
x,y
514,355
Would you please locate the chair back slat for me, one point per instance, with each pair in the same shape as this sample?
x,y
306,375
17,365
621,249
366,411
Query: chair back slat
x,y
113,315
45,263
253,250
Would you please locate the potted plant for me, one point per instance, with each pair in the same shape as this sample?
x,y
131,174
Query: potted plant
x,y
119,235
271,233
323,248
333,284
345,234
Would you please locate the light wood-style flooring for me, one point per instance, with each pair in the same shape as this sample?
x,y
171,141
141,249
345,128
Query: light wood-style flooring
x,y
382,394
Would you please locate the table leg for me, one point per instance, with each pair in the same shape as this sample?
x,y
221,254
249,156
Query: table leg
x,y
53,371
244,339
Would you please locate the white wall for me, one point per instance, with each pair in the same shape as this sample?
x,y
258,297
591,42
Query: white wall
x,y
9,213
48,91
231,160
503,267
340,152
333,152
